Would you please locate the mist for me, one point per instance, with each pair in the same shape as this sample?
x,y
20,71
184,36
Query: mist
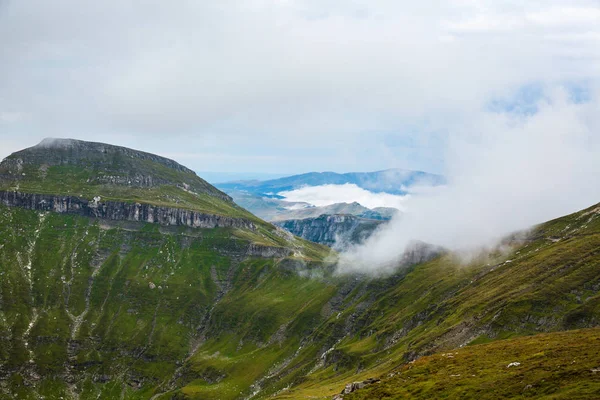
x,y
324,195
506,172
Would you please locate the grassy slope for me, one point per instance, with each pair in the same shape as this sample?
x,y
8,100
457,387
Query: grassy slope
x,y
78,180
58,268
77,296
548,283
561,365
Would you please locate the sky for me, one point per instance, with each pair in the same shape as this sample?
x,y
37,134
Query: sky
x,y
283,86
521,170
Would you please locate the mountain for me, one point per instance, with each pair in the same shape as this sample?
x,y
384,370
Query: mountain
x,y
267,208
262,198
337,231
336,225
124,276
394,181
272,209
354,209
118,267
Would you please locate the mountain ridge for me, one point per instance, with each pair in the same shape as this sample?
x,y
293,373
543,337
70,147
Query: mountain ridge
x,y
394,181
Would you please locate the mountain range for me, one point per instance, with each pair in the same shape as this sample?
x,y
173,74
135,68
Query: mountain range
x,y
393,181
350,222
124,275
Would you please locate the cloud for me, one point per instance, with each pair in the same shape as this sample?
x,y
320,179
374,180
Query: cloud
x,y
325,195
320,85
506,172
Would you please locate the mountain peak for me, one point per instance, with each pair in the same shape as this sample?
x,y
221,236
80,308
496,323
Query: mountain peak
x,y
72,151
89,169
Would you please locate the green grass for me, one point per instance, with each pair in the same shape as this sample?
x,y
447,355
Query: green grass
x,y
552,366
78,181
287,324
131,331
540,285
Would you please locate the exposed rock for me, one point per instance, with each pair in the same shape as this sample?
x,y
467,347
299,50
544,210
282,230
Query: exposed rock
x,y
418,252
121,211
257,250
354,386
338,231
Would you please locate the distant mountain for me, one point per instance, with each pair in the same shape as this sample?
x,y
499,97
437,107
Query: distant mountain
x,y
267,208
354,209
272,209
394,181
262,198
215,176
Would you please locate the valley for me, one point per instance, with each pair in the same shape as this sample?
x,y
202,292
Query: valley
x,y
200,299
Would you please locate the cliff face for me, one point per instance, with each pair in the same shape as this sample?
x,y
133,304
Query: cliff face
x,y
121,211
337,231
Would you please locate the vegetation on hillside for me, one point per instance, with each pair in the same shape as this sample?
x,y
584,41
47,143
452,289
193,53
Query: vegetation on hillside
x,y
560,365
94,308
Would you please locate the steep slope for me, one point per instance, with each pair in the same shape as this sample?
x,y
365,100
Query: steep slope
x,y
560,365
548,281
101,298
338,231
120,305
96,307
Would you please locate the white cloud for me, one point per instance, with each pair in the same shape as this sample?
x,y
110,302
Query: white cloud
x,y
329,80
505,173
325,195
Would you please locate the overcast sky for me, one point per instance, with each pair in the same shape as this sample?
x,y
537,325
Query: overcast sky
x,y
283,86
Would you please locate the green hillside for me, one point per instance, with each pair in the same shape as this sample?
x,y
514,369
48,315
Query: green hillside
x,y
109,308
560,365
88,169
547,280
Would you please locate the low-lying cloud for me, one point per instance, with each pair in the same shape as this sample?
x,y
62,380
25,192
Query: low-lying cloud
x,y
505,172
325,195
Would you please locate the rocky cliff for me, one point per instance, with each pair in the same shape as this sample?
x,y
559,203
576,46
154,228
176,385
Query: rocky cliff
x,y
121,211
336,231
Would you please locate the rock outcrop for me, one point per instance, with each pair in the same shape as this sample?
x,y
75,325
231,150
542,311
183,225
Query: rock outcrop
x,y
337,231
121,211
354,386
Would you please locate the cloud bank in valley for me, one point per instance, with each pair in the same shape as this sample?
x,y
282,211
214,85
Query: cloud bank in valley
x,y
324,195
506,172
